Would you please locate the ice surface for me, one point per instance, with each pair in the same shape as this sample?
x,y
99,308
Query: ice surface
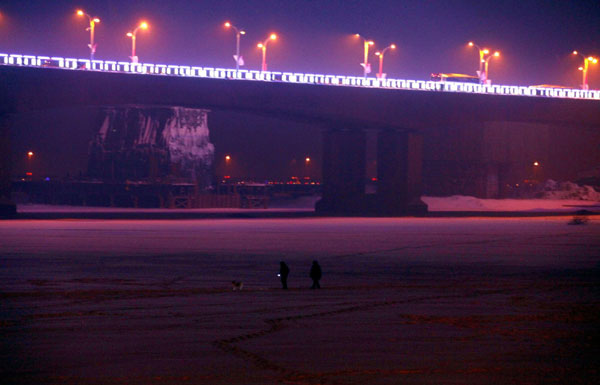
x,y
404,300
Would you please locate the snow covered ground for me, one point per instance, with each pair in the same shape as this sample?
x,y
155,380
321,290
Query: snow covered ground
x,y
404,300
467,203
435,204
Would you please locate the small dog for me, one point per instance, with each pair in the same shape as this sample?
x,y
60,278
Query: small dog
x,y
237,285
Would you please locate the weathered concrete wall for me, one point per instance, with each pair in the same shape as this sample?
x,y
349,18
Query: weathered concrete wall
x,y
166,144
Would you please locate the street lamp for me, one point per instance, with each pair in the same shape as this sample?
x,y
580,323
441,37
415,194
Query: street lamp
x,y
227,170
381,75
307,168
29,163
239,61
93,21
365,64
263,46
584,68
536,167
132,35
484,59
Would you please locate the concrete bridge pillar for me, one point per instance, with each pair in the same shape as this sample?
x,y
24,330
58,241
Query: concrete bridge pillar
x,y
7,207
399,163
344,172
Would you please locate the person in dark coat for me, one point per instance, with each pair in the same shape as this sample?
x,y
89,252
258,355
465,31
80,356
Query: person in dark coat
x,y
284,271
315,275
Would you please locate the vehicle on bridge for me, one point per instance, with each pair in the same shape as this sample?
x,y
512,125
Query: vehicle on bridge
x,y
460,78
551,86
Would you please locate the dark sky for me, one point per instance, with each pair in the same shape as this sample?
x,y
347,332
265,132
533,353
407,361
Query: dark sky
x,y
534,37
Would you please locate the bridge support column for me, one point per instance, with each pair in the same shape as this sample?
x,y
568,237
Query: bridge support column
x,y
7,207
344,172
399,163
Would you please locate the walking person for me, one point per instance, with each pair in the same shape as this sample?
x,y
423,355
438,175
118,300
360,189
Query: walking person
x,y
284,271
315,275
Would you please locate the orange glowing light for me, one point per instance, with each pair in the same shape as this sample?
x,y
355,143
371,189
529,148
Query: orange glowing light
x,y
575,52
393,46
486,51
259,45
227,24
30,154
96,20
144,25
80,12
227,157
497,54
273,36
536,163
307,159
370,42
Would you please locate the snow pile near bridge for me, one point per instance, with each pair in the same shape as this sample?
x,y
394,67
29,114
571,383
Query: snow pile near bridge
x,y
567,190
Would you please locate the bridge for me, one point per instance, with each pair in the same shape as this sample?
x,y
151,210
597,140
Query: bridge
x,y
344,106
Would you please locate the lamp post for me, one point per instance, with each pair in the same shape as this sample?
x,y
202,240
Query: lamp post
x,y
238,32
487,60
380,75
93,21
483,62
584,68
536,167
227,171
29,164
132,35
365,64
307,168
263,46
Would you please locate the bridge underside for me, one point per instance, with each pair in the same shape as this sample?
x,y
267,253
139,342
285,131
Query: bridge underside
x,y
461,132
398,173
344,176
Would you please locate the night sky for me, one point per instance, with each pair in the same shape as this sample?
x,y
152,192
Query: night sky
x,y
535,37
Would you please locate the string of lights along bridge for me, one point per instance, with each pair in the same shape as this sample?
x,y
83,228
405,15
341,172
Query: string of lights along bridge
x,y
444,85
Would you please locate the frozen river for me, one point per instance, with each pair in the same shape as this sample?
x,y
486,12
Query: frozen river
x,y
403,300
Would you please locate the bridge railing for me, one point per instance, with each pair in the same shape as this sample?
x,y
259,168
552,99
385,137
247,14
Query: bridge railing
x,y
291,77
